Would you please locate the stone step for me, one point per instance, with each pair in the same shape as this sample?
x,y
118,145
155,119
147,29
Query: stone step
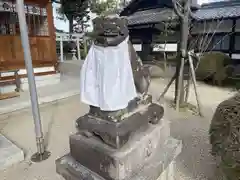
x,y
159,167
70,69
41,81
120,163
10,154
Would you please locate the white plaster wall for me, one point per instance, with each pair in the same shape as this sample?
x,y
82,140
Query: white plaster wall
x,y
158,47
207,1
137,47
166,48
235,56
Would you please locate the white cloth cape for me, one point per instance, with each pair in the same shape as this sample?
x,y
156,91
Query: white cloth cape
x,y
106,77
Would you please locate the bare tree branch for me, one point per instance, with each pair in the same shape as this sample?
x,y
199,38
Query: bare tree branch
x,y
202,37
191,14
221,40
206,36
194,43
176,8
206,47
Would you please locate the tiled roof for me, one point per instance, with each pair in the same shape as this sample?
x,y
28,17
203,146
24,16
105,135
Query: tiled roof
x,y
165,14
218,12
132,5
151,16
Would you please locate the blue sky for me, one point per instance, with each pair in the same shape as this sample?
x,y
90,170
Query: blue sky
x,y
64,25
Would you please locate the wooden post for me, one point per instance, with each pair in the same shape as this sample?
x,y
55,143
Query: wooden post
x,y
184,13
168,86
194,82
180,84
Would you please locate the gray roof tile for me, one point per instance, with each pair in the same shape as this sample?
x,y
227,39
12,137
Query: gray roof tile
x,y
166,14
218,12
151,16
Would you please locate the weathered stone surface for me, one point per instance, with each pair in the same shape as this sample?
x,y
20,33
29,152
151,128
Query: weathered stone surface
x,y
119,164
117,116
153,169
116,134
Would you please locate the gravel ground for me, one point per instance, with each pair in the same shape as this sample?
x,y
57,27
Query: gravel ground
x,y
194,163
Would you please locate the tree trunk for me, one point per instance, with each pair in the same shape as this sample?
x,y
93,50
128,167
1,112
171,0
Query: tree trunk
x,y
82,27
182,55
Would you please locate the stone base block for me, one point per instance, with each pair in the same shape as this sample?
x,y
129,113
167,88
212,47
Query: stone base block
x,y
119,164
116,134
158,167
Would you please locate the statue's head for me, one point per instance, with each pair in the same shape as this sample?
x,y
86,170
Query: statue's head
x,y
110,25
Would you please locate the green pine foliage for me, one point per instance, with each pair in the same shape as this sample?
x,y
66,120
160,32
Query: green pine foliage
x,y
78,10
102,7
75,10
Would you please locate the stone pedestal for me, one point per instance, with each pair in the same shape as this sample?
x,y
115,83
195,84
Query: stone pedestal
x,y
149,154
116,133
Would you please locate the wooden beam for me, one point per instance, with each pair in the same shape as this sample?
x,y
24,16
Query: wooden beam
x,y
8,82
25,75
11,65
9,95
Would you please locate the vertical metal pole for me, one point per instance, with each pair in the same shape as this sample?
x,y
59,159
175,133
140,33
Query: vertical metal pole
x,y
61,48
78,49
31,81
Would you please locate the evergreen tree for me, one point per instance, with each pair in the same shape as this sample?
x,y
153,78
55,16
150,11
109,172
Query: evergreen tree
x,y
101,7
75,10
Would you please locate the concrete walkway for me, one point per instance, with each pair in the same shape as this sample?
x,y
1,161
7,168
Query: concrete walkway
x,y
67,87
194,163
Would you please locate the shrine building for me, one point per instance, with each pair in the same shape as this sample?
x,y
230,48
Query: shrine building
x,y
218,24
42,39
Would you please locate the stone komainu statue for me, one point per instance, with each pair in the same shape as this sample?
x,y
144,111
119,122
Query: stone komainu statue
x,y
111,31
225,136
115,127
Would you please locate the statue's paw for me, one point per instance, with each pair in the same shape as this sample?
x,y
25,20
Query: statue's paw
x,y
154,120
156,113
87,134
